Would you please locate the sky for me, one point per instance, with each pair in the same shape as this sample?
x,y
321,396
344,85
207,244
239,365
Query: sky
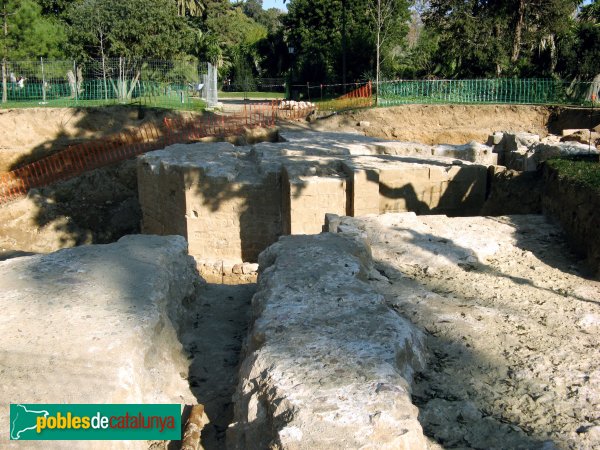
x,y
280,5
274,4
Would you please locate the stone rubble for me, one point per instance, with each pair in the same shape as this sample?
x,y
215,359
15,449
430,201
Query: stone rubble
x,y
526,151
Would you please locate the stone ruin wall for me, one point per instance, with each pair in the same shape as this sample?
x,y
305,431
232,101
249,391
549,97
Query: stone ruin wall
x,y
232,202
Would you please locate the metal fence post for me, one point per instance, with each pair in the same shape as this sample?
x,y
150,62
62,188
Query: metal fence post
x,y
76,81
43,82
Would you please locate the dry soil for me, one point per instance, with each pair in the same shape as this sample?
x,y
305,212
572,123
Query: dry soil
x,y
31,133
513,328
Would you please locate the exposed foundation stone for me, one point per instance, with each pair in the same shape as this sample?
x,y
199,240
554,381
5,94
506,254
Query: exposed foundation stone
x,y
230,203
328,365
95,324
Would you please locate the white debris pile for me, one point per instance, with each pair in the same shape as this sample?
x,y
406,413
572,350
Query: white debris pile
x,y
295,106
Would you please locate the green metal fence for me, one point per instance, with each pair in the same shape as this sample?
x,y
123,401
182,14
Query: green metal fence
x,y
175,84
509,91
169,84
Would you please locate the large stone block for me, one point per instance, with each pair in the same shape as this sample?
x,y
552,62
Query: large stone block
x,y
328,364
95,324
227,203
313,197
232,202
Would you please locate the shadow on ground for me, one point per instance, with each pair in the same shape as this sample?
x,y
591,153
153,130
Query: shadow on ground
x,y
76,125
213,332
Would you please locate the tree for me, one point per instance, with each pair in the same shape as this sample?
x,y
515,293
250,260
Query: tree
x,y
142,29
234,28
238,36
504,37
315,29
270,19
27,35
579,47
391,19
252,8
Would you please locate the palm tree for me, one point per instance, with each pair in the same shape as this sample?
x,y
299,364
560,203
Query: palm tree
x,y
193,8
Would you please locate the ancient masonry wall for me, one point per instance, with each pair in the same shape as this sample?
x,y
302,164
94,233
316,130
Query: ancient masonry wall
x,y
328,364
577,209
230,202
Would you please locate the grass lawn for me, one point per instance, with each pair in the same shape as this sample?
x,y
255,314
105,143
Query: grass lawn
x,y
163,101
586,173
257,95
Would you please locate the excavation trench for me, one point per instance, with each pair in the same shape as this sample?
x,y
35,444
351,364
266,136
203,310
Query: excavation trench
x,y
212,333
492,313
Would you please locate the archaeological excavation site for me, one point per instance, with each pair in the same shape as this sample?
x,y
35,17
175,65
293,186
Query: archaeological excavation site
x,y
410,277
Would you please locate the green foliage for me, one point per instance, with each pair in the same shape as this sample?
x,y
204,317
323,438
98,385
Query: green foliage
x,y
580,52
193,8
209,48
585,173
449,38
579,46
133,29
234,28
315,30
232,38
418,61
270,19
182,71
30,35
273,50
243,76
315,34
252,8
54,8
506,37
591,12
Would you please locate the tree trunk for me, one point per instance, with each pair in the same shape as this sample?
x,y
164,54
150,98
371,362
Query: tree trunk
x,y
4,88
518,31
5,55
378,51
344,45
101,34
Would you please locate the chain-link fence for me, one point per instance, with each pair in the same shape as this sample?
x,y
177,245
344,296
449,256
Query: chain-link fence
x,y
170,84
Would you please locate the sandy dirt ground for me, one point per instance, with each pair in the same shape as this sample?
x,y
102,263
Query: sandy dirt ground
x,y
31,133
513,328
440,124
